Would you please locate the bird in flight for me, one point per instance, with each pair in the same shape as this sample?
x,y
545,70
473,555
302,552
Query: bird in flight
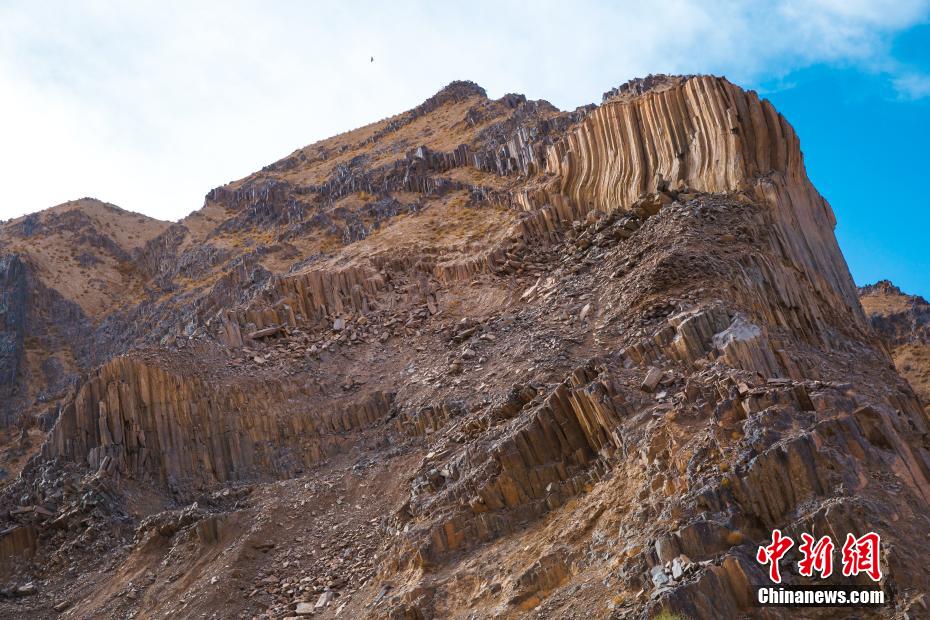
x,y
372,59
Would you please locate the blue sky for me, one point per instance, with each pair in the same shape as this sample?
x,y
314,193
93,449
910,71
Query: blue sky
x,y
149,105
867,149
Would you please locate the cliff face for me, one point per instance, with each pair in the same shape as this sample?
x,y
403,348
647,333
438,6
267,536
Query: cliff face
x,y
13,292
902,322
481,358
181,432
706,134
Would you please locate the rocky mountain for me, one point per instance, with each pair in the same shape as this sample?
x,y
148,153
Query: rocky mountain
x,y
484,358
903,324
65,274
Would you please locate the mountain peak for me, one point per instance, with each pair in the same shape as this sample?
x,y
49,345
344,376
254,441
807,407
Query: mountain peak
x,y
640,86
882,287
458,90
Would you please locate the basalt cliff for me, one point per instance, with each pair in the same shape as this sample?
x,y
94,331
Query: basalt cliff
x,y
484,358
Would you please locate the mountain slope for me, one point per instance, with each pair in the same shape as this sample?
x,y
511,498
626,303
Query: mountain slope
x,y
62,271
82,249
482,359
903,323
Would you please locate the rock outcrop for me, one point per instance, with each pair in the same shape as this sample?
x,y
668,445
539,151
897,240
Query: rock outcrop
x,y
13,295
706,134
134,419
902,322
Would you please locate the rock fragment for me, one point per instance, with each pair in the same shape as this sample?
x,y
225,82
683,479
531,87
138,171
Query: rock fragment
x,y
653,376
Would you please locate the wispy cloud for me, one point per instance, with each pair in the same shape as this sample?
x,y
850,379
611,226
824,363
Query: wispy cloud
x,y
913,85
148,104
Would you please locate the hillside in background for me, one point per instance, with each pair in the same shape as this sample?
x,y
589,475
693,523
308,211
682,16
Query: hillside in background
x,y
484,358
903,324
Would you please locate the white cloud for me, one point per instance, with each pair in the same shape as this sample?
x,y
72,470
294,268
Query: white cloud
x,y
149,105
913,85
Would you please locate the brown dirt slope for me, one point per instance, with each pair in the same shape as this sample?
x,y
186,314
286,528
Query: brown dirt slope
x,y
83,249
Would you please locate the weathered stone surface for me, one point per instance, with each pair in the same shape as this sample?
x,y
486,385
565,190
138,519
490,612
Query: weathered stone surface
x,y
146,422
16,543
13,294
653,376
902,322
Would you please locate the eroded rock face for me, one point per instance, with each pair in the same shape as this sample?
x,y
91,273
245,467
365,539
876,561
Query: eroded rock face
x,y
13,295
902,322
898,318
484,358
707,134
142,421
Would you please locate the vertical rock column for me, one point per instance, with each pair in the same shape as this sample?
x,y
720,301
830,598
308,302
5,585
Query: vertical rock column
x,y
142,421
13,305
706,134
